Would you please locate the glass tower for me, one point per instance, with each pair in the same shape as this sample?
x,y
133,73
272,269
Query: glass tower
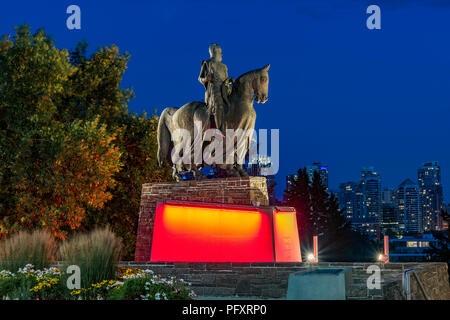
x,y
409,211
431,195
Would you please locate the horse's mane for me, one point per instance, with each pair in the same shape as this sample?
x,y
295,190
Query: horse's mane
x,y
248,74
242,78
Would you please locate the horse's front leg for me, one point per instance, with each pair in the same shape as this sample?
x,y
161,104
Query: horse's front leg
x,y
176,173
197,173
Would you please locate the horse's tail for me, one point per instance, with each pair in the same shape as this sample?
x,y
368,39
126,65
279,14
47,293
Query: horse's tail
x,y
164,136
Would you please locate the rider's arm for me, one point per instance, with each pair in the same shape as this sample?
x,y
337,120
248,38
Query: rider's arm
x,y
228,79
203,77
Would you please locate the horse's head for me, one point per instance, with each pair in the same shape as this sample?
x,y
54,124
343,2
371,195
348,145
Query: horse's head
x,y
260,84
253,84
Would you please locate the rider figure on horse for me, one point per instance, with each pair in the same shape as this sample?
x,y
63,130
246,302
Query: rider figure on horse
x,y
214,77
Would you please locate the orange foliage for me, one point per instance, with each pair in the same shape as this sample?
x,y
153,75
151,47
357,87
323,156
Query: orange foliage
x,y
79,177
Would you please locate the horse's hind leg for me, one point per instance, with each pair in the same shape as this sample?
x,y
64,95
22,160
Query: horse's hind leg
x,y
176,173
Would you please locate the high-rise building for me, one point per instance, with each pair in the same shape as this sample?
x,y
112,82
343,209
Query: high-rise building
x,y
409,209
388,196
372,192
321,169
371,189
351,200
431,195
389,214
362,203
389,220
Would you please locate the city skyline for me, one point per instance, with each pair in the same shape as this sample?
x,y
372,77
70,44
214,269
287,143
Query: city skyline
x,y
411,208
335,185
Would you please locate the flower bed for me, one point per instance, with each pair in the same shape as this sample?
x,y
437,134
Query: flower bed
x,y
130,284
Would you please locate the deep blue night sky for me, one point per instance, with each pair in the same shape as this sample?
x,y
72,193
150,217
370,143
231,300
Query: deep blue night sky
x,y
354,97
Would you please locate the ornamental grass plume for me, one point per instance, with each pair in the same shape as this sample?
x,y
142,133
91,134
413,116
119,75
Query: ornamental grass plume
x,y
38,248
96,253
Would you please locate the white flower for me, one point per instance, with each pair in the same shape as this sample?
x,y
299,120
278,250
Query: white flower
x,y
117,283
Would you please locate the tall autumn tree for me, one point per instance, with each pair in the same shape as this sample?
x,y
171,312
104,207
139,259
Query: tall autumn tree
x,y
51,171
138,144
72,156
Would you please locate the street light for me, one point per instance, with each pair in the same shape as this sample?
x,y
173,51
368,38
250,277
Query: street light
x,y
383,258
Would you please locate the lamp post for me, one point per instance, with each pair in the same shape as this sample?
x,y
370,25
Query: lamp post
x,y
314,256
385,257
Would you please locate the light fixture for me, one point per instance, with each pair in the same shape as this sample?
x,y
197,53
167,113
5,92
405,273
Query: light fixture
x,y
383,258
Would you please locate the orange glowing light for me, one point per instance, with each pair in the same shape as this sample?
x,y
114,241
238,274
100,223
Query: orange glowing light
x,y
287,244
206,233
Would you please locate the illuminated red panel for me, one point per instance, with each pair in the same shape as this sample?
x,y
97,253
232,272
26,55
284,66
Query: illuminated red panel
x,y
287,244
185,233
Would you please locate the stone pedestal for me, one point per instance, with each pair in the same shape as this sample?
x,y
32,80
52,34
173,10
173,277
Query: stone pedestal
x,y
238,191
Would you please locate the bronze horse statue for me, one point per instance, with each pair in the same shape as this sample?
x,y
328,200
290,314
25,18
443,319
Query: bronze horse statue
x,y
239,113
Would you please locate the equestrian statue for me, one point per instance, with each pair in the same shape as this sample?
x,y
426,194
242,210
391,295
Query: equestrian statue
x,y
228,105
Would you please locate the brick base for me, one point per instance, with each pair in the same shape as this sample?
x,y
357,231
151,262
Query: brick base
x,y
238,191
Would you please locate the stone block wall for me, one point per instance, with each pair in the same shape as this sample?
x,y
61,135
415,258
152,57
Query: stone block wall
x,y
433,277
237,191
270,280
434,283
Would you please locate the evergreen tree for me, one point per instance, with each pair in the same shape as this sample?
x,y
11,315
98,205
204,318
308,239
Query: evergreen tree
x,y
271,184
319,203
336,223
297,196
